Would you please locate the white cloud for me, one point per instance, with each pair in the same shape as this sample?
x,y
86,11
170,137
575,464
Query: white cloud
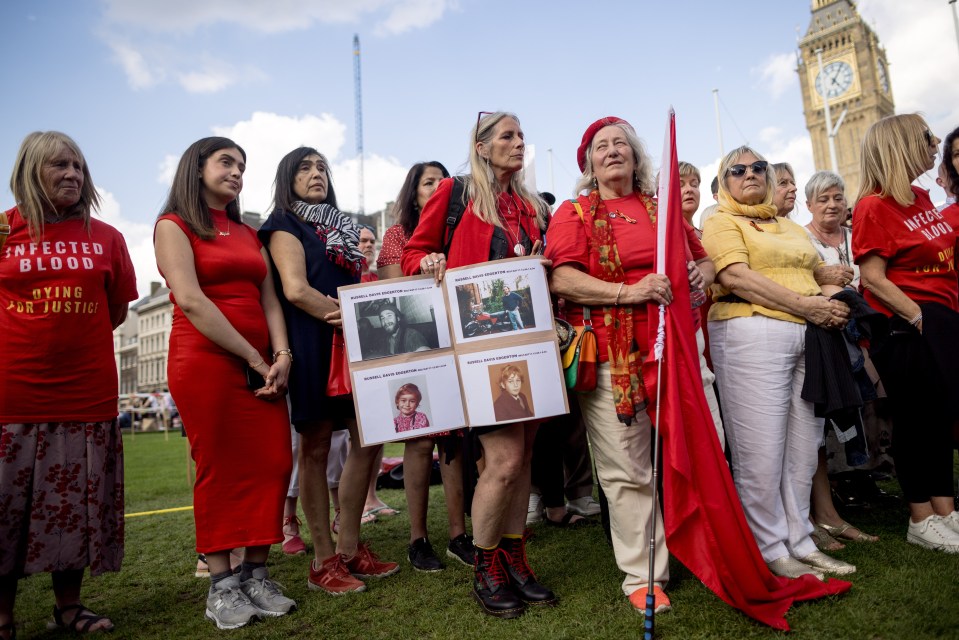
x,y
139,239
921,50
267,137
167,169
275,16
207,81
138,72
777,73
382,178
412,14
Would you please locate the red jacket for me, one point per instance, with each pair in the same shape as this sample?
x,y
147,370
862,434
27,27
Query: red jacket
x,y
471,241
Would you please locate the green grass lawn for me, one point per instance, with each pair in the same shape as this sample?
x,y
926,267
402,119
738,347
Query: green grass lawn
x,y
899,592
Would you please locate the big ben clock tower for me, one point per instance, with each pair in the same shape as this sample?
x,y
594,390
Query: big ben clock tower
x,y
854,79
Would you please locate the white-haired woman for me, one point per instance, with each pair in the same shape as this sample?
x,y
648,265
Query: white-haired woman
x,y
614,221
65,281
766,292
905,250
826,201
784,198
502,220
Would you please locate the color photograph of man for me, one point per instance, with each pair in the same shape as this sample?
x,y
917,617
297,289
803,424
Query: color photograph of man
x,y
512,403
511,304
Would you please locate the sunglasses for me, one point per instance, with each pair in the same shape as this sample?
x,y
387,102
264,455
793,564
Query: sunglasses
x,y
739,170
479,116
929,136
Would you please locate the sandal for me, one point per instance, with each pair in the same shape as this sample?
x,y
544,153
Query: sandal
x,y
842,532
824,541
382,510
567,520
82,621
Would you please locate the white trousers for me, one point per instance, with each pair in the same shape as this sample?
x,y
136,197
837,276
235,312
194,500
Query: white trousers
x,y
624,467
708,380
773,433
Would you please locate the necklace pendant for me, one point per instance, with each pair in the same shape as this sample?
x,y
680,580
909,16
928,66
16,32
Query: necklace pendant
x,y
220,233
518,250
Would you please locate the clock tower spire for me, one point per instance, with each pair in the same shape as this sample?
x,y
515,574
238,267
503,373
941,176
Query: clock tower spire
x,y
854,79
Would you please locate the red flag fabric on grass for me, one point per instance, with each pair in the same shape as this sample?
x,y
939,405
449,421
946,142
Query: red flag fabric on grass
x,y
706,528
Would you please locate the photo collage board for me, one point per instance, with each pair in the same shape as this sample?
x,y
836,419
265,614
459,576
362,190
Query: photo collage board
x,y
479,349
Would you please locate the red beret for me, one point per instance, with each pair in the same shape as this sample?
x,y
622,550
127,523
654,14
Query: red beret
x,y
591,131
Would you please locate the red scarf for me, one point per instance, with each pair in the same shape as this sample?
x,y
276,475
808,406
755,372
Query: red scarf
x,y
625,358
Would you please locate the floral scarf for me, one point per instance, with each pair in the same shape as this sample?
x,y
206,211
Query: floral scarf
x,y
625,358
338,230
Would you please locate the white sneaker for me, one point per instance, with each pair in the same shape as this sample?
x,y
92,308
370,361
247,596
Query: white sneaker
x,y
535,511
228,606
584,506
952,521
934,533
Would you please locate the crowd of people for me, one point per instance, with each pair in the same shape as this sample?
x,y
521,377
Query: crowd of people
x,y
845,326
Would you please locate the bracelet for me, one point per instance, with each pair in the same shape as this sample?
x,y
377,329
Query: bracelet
x,y
619,291
915,321
283,352
254,366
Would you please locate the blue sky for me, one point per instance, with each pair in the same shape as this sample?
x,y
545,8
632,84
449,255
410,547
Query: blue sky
x,y
136,81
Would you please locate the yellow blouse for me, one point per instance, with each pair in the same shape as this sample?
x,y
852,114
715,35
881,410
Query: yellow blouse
x,y
780,251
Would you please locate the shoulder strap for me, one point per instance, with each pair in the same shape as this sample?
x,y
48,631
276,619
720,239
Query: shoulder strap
x,y
579,209
454,211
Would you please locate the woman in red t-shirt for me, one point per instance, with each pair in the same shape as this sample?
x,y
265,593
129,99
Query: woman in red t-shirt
x,y
65,281
616,222
905,250
502,219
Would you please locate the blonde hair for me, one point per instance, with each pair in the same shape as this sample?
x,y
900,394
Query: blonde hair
x,y
26,181
732,158
686,170
643,173
481,184
894,153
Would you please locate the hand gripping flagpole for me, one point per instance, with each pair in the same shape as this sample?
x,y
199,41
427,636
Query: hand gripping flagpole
x,y
658,349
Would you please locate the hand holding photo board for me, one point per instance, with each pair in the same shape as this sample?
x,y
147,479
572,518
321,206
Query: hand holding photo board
x,y
416,348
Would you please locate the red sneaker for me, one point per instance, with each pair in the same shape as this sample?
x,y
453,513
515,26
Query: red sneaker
x,y
660,600
334,577
366,564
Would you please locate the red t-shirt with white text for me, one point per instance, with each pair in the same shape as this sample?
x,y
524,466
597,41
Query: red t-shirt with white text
x,y
56,337
918,244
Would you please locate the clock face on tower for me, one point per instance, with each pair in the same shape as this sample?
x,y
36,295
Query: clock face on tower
x,y
834,80
883,77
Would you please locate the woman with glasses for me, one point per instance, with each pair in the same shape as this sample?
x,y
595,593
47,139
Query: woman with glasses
x,y
502,219
766,291
905,250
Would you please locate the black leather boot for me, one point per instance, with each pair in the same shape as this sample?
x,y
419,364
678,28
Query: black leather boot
x,y
521,578
491,586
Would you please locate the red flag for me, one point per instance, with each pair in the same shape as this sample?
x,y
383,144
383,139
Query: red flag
x,y
705,525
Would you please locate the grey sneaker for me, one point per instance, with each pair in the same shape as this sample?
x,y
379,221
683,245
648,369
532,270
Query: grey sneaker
x,y
228,606
266,595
